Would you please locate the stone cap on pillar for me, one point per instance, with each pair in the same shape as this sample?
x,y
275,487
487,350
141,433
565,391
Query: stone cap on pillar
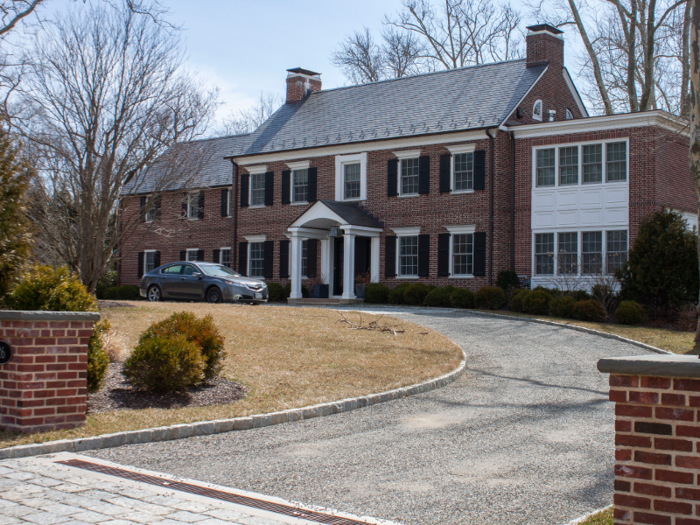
x,y
652,365
37,315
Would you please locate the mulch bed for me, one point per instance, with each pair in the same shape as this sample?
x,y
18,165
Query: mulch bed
x,y
114,304
118,394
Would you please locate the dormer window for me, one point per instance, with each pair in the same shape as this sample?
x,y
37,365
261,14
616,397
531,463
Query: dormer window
x,y
537,110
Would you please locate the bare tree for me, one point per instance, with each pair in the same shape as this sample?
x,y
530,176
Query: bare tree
x,y
694,152
106,101
248,120
360,58
402,53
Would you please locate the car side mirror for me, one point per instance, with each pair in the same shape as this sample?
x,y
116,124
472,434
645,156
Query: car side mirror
x,y
197,274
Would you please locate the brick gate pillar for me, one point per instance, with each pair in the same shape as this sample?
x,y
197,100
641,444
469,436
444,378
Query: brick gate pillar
x,y
43,385
657,438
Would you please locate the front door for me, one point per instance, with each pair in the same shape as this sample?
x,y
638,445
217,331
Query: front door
x,y
338,256
363,255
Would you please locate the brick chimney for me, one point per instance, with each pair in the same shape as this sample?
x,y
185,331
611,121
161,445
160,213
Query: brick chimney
x,y
545,43
301,82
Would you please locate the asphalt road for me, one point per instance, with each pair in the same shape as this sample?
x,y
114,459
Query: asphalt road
x,y
524,437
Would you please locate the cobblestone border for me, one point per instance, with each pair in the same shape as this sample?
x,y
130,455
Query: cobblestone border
x,y
205,428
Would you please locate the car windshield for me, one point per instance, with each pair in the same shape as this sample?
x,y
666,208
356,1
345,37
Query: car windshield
x,y
218,270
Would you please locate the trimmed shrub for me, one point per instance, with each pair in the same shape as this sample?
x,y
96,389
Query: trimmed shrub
x,y
202,332
288,290
629,312
98,359
548,291
517,298
582,295
462,298
165,364
490,297
589,310
508,281
128,292
415,294
376,293
275,292
537,303
396,295
43,288
562,307
110,293
438,297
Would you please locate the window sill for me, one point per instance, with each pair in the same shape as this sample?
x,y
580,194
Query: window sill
x,y
407,277
193,219
256,206
358,199
408,195
466,276
461,192
298,203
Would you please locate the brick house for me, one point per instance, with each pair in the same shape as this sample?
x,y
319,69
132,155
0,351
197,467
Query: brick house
x,y
443,178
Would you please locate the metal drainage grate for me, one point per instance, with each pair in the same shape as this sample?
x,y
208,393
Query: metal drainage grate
x,y
278,508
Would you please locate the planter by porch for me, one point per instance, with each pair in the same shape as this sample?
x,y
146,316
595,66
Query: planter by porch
x,y
360,290
319,291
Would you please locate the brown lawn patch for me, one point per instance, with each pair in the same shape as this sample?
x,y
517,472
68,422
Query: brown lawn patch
x,y
286,357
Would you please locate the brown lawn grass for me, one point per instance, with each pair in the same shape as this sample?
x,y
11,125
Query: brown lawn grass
x,y
287,357
602,518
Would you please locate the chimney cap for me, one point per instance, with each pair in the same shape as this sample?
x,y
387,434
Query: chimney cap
x,y
545,27
302,71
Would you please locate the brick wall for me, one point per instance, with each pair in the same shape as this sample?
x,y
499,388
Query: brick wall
x,y
44,386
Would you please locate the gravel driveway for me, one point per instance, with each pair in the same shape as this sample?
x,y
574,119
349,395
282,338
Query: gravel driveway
x,y
524,437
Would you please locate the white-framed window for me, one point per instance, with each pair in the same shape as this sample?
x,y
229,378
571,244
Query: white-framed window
x,y
407,252
351,177
616,250
193,209
409,168
544,253
229,202
567,253
149,260
462,168
580,252
256,259
597,162
225,257
192,254
537,110
299,181
591,253
257,189
461,250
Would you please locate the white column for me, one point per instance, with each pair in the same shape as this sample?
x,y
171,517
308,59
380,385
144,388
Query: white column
x,y
295,266
326,260
349,267
374,261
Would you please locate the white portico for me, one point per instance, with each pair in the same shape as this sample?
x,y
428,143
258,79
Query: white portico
x,y
349,238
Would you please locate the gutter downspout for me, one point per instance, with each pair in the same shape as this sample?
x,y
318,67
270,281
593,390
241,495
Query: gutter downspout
x,y
491,172
234,196
512,201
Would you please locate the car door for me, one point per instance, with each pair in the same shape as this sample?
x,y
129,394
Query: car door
x,y
190,286
170,280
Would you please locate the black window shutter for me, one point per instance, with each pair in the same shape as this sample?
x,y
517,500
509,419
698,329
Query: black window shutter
x,y
200,255
183,255
480,254
480,169
156,203
424,255
142,208
286,181
443,255
269,247
157,260
313,177
311,251
216,256
269,188
424,174
185,199
392,180
445,175
243,258
224,203
200,206
140,263
390,256
245,183
284,259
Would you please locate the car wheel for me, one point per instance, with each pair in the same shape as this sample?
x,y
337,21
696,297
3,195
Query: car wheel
x,y
214,295
154,294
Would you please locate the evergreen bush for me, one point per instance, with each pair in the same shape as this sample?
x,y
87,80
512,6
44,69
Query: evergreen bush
x,y
43,288
490,297
110,293
438,297
376,293
629,312
507,280
589,310
562,307
396,294
517,299
98,359
537,302
415,294
275,292
462,298
128,292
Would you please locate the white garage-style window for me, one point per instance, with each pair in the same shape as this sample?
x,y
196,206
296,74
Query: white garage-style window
x,y
580,252
351,177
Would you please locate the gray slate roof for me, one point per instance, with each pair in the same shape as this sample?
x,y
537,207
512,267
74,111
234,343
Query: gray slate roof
x,y
452,100
352,213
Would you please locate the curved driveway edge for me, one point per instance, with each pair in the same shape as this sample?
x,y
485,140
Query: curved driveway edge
x,y
204,428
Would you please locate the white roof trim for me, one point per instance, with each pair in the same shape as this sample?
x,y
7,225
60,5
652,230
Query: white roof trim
x,y
459,229
461,148
317,211
255,238
301,165
574,92
407,154
407,230
657,118
525,95
254,170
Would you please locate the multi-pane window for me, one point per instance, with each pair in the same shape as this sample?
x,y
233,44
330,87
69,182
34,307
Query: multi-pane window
x,y
193,205
257,189
300,185
408,255
568,165
229,195
616,250
152,211
192,255
616,161
226,257
464,171
545,167
409,176
257,259
593,163
544,253
462,254
592,252
567,255
304,259
351,182
150,261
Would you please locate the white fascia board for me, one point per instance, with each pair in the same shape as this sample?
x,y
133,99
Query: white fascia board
x,y
574,92
302,165
525,95
461,148
657,118
254,170
366,231
407,154
255,238
317,211
407,230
